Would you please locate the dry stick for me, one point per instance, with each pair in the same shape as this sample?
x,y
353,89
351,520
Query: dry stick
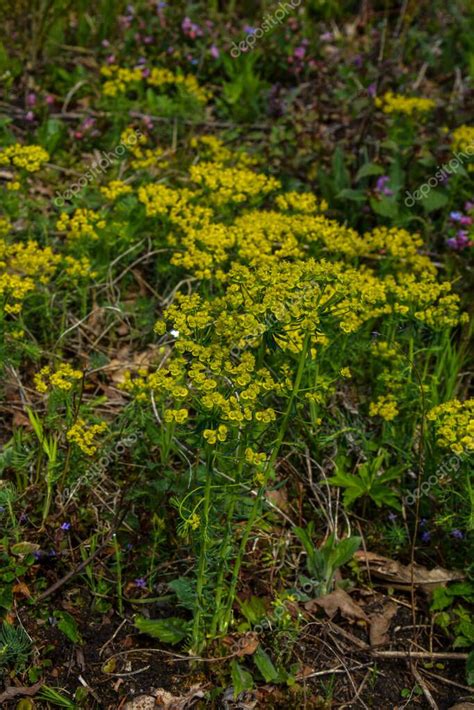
x,y
337,669
447,681
117,630
421,654
426,692
359,692
57,585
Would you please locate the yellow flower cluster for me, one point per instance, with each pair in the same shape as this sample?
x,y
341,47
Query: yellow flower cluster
x,y
212,436
5,226
119,80
27,157
409,105
63,378
115,189
24,266
83,223
176,415
79,268
463,139
231,185
304,202
211,148
401,245
454,425
385,406
83,435
14,288
164,77
142,157
254,458
32,260
206,246
157,198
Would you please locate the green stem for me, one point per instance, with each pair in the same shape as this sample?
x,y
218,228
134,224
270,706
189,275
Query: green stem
x,y
198,642
253,513
119,575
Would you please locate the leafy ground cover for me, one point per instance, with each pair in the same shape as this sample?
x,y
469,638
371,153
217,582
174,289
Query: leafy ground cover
x,y
236,291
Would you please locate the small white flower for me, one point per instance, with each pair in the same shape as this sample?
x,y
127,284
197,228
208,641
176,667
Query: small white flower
x,y
174,333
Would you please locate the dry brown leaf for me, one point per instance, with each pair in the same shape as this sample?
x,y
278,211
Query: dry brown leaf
x,y
401,575
338,600
279,498
380,624
249,646
13,691
142,702
20,419
244,645
127,362
22,589
167,701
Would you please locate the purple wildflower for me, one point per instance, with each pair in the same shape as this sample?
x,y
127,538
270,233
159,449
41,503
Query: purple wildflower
x,y
455,216
381,185
426,536
372,89
65,526
457,534
214,52
140,582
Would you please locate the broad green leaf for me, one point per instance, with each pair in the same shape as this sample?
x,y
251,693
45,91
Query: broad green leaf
x,y
434,201
344,551
184,590
24,548
369,169
67,624
354,195
265,665
253,609
241,679
385,207
171,630
470,669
